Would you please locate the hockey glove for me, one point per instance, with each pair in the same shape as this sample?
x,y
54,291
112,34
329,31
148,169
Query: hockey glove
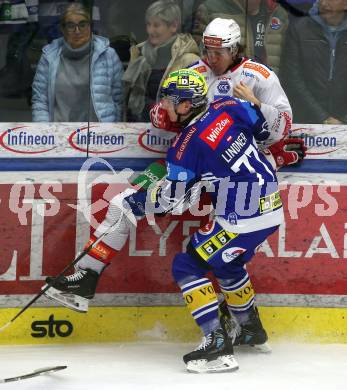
x,y
161,120
288,151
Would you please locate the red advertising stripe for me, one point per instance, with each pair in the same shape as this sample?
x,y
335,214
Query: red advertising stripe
x,y
307,256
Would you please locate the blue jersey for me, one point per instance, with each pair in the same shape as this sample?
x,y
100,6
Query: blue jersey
x,y
220,149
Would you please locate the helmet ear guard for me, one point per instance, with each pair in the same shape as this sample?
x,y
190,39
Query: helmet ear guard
x,y
185,84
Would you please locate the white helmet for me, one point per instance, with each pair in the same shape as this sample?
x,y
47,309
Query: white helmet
x,y
222,33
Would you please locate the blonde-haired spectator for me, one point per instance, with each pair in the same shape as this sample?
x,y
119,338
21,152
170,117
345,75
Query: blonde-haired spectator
x,y
79,77
151,61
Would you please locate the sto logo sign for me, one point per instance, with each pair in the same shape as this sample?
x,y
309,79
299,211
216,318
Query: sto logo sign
x,y
52,327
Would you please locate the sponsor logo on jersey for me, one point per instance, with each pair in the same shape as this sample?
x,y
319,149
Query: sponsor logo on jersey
x,y
214,133
288,120
270,202
231,254
177,138
249,74
230,102
212,41
201,69
234,148
275,23
232,218
185,142
223,87
208,249
204,116
25,140
258,68
214,243
282,123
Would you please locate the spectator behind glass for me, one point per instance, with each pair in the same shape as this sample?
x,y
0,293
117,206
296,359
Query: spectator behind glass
x,y
164,50
314,68
27,34
296,8
266,24
78,77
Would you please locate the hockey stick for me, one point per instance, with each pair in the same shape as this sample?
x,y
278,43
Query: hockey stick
x,y
40,371
76,260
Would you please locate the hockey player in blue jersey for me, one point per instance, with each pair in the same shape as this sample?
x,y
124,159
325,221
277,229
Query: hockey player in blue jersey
x,y
217,150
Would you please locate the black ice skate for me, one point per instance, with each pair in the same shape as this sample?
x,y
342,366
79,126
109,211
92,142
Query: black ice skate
x,y
73,291
251,333
214,354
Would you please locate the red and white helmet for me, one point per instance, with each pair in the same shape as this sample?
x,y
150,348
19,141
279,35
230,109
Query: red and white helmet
x,y
222,33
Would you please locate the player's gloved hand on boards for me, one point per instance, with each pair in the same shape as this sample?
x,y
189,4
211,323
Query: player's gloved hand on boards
x,y
160,118
288,151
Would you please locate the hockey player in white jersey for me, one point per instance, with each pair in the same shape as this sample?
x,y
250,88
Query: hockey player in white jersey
x,y
227,73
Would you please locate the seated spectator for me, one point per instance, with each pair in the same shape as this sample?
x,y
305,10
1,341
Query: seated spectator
x,y
266,24
151,61
78,77
314,68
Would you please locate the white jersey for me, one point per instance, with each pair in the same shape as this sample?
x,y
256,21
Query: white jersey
x,y
265,85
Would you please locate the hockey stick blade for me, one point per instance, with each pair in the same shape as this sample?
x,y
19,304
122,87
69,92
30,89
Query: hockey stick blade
x,y
5,326
38,372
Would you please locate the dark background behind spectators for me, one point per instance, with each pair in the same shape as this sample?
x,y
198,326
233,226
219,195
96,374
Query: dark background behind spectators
x,y
120,21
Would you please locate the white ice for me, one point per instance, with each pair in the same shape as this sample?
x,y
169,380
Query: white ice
x,y
159,366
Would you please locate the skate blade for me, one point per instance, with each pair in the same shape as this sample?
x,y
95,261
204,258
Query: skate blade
x,y
71,301
226,363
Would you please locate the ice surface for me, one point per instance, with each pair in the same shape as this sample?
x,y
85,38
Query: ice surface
x,y
159,366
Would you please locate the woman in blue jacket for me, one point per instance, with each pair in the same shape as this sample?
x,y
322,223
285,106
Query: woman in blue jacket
x,y
79,77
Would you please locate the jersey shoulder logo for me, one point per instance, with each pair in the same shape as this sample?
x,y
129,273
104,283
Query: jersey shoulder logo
x,y
258,68
201,69
215,131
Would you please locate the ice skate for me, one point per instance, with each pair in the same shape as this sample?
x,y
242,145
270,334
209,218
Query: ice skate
x,y
214,354
73,291
251,333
